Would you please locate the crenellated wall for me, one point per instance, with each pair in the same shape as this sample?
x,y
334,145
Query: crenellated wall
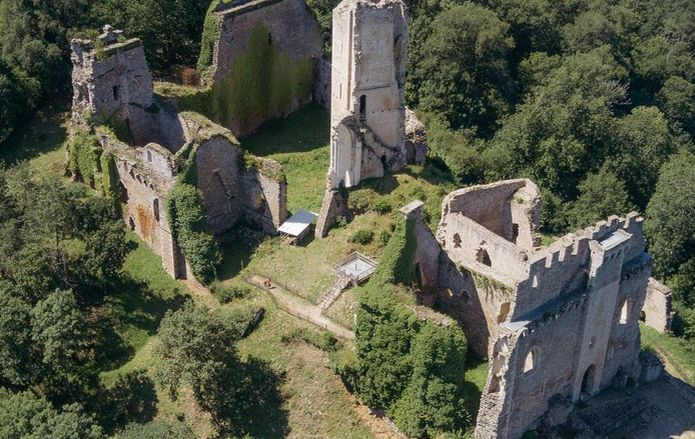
x,y
557,323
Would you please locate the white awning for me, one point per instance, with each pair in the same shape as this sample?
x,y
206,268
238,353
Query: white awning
x,y
298,223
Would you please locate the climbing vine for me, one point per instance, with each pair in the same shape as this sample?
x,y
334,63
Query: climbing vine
x,y
262,84
187,219
84,152
410,368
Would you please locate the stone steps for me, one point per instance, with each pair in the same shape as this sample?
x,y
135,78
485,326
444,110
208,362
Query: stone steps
x,y
339,284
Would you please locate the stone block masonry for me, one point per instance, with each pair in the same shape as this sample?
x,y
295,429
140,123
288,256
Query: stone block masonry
x,y
556,323
156,146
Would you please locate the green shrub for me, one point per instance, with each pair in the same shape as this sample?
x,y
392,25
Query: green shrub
x,y
227,292
84,155
359,201
384,237
396,263
187,219
323,340
110,179
382,207
362,236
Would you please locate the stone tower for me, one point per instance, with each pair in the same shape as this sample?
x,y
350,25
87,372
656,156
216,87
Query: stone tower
x,y
367,101
111,80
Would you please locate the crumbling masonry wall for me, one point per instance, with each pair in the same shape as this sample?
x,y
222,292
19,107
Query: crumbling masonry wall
x,y
234,186
292,31
557,323
658,309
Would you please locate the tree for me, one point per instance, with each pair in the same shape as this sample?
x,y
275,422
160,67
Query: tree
x,y
24,415
433,402
170,30
563,130
600,195
670,223
16,350
643,143
676,100
463,74
58,327
196,348
383,336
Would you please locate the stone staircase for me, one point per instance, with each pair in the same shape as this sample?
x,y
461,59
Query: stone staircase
x,y
339,284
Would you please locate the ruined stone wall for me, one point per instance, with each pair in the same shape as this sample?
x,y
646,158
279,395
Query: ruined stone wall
x,y
144,199
427,250
477,303
219,182
292,26
322,82
499,207
564,265
105,81
534,365
658,310
265,196
472,245
624,341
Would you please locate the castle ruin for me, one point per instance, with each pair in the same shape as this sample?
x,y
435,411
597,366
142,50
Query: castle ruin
x,y
558,323
151,144
368,114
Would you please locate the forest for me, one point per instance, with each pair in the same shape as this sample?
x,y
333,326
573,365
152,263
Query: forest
x,y
594,100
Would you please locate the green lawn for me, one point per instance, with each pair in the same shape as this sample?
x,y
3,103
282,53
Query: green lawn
x,y
676,352
300,144
137,305
41,141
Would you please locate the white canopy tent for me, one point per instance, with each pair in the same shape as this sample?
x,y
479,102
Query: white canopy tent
x,y
298,225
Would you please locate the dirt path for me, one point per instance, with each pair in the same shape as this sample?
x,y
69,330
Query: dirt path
x,y
301,308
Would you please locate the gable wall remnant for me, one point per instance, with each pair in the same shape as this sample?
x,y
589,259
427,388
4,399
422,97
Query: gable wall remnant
x,y
233,185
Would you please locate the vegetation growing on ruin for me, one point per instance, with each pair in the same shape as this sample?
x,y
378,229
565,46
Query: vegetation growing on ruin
x,y
211,33
262,83
187,220
84,153
412,369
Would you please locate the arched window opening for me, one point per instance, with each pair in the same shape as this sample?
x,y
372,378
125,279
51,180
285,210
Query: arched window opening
x,y
155,208
588,380
149,156
504,312
363,107
532,358
457,240
483,257
623,313
515,232
116,93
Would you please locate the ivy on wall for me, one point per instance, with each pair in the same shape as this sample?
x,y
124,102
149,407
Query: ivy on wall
x,y
211,33
412,369
187,219
262,84
84,152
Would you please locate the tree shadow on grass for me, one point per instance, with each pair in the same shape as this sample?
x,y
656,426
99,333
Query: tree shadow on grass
x,y
302,131
132,398
257,409
131,305
44,133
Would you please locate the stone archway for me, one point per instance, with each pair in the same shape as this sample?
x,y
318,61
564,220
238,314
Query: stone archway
x,y
588,379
